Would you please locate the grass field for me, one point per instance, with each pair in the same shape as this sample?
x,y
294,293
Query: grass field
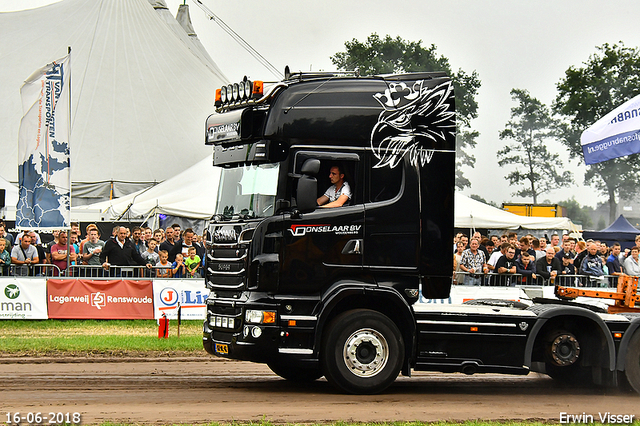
x,y
76,337
469,423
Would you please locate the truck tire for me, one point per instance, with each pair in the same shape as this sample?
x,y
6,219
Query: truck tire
x,y
562,358
294,373
363,352
632,362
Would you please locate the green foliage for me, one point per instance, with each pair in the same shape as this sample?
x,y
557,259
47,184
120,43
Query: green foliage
x,y
578,214
394,55
529,129
606,80
482,200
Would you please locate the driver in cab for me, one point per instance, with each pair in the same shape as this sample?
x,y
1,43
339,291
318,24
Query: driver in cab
x,y
339,193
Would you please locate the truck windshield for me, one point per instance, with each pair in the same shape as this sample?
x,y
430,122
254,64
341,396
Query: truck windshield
x,y
247,192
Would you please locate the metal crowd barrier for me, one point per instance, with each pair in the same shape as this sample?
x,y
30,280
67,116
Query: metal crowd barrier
x,y
86,271
34,270
114,271
512,280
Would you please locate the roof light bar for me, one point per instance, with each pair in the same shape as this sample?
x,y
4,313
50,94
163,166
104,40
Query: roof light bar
x,y
238,93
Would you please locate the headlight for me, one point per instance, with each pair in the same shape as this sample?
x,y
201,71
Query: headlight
x,y
253,316
223,94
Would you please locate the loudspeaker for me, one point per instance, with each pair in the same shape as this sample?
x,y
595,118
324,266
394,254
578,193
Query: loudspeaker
x,y
2,194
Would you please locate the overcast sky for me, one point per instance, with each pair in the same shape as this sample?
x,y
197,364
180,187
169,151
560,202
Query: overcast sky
x,y
510,43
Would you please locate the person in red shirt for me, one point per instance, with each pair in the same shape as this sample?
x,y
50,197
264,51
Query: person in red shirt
x,y
59,253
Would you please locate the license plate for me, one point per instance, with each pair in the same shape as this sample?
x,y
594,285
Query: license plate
x,y
222,349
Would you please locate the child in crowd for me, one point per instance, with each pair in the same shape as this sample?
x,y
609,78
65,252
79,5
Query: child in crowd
x,y
178,269
149,255
158,234
164,267
5,258
193,263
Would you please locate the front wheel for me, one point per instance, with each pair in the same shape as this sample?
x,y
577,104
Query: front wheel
x,y
362,352
632,362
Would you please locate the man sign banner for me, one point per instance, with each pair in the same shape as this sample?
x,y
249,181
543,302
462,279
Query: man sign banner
x,y
615,135
43,149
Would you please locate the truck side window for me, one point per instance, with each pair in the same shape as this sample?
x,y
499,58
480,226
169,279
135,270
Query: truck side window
x,y
385,183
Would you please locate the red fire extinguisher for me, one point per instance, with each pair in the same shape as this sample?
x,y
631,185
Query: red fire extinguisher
x,y
163,327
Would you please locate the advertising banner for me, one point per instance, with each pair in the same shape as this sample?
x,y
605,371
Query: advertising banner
x,y
190,294
617,134
43,149
23,298
89,299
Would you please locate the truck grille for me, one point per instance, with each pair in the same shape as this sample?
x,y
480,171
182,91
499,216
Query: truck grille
x,y
226,267
226,262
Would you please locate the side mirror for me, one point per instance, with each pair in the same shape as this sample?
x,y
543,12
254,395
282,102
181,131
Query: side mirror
x,y
308,185
307,193
310,167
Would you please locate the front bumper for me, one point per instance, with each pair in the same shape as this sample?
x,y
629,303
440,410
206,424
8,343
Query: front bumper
x,y
227,334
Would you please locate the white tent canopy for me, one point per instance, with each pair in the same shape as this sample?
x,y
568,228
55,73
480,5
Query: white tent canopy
x,y
10,199
473,214
190,194
141,89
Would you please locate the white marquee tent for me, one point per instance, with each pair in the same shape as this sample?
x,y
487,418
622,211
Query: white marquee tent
x,y
190,194
10,199
473,214
142,87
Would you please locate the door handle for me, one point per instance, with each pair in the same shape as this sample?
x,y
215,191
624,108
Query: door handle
x,y
353,247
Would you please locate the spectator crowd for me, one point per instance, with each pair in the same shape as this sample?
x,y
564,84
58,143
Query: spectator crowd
x,y
509,260
162,253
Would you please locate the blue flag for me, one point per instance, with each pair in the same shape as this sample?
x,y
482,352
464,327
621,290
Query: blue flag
x,y
617,134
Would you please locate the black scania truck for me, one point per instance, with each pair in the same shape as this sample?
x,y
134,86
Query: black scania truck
x,y
332,292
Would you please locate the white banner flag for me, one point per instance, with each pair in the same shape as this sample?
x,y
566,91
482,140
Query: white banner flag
x,y
43,149
617,134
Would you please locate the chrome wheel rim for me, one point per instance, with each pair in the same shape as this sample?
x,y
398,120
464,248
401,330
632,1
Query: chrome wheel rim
x,y
366,352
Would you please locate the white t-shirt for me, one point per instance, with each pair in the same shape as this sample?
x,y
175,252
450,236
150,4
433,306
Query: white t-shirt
x,y
494,257
333,195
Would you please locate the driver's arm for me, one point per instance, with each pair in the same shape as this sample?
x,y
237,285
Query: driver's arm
x,y
337,203
323,200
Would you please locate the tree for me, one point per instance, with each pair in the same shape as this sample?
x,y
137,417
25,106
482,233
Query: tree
x,y
578,214
482,200
395,55
610,77
529,128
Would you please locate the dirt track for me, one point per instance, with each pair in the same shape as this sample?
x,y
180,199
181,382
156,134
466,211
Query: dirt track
x,y
201,390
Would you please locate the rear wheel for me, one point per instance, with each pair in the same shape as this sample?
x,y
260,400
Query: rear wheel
x,y
295,373
562,355
362,352
632,362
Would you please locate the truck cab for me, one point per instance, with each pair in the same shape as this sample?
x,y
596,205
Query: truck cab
x,y
280,268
